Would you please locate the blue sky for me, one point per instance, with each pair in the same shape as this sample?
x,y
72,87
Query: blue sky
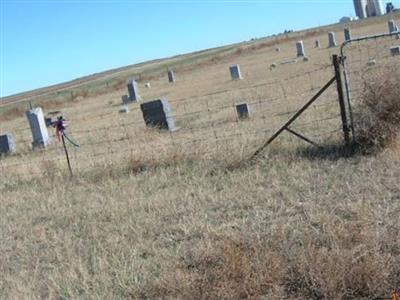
x,y
48,42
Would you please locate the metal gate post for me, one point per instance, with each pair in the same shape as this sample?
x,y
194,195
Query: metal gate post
x,y
343,113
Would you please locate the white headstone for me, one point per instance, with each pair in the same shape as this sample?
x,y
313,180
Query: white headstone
x,y
331,40
392,26
235,72
300,48
171,76
38,127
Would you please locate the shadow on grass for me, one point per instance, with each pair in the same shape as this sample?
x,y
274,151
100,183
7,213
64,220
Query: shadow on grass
x,y
334,152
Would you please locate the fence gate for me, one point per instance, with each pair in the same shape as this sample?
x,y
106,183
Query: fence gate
x,y
343,114
364,60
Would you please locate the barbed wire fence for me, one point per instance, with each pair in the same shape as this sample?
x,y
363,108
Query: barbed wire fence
x,y
208,125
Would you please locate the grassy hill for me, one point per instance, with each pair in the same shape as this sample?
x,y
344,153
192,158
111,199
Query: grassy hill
x,y
184,215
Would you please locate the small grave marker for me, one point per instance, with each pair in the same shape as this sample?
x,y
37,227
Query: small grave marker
x,y
49,121
347,34
7,145
235,72
300,49
125,99
242,110
395,50
124,109
289,62
392,26
331,40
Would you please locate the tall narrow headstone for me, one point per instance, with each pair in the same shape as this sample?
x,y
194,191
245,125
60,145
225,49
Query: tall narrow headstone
x,y
331,39
7,145
133,91
392,26
317,44
347,34
157,113
171,76
300,48
38,127
125,99
242,110
235,72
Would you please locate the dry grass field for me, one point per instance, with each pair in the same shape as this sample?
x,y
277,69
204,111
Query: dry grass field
x,y
151,214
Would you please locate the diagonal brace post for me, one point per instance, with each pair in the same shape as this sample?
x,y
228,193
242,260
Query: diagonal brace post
x,y
292,119
302,137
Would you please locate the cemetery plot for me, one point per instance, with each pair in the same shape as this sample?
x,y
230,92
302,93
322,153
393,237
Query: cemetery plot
x,y
203,105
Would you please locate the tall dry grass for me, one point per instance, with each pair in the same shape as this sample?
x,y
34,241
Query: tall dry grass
x,y
377,120
292,226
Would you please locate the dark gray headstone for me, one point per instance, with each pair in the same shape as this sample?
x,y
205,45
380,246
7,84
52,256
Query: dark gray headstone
x,y
235,72
347,34
171,76
37,123
133,91
157,113
395,50
242,110
331,39
300,49
7,145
